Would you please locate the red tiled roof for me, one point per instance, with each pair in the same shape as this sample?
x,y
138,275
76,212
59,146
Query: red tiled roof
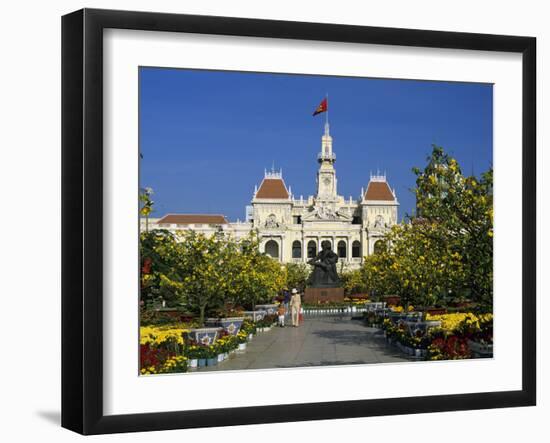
x,y
187,219
272,188
379,191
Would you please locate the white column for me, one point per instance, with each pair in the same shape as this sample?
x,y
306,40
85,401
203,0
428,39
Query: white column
x,y
304,248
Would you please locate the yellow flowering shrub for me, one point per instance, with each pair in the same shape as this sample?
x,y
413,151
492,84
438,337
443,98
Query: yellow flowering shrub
x,y
452,323
159,335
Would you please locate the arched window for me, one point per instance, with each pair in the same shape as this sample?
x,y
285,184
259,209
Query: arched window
x,y
296,249
272,249
379,246
342,249
311,249
356,249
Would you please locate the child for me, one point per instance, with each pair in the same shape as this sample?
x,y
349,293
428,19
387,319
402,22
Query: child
x,y
281,313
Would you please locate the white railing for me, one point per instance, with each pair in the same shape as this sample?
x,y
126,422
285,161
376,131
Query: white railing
x,y
334,311
325,156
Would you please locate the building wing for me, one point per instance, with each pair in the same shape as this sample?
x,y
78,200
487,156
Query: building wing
x,y
190,219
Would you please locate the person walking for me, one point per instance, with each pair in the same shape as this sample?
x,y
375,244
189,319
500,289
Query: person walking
x,y
281,313
286,299
295,307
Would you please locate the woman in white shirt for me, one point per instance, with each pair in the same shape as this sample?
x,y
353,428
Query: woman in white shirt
x,y
295,306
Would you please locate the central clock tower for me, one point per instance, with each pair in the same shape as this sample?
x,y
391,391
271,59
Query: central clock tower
x,y
326,177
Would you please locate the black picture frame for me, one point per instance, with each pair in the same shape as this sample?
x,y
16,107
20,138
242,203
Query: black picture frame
x,y
82,218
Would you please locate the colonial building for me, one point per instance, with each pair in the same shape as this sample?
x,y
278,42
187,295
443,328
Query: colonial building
x,y
292,229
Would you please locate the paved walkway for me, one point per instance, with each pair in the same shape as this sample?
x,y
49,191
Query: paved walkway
x,y
319,341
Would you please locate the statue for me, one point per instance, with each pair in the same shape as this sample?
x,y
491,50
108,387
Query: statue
x,y
379,221
324,268
271,222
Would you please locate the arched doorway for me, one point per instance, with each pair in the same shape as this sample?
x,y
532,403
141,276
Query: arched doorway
x,y
342,249
296,249
272,249
311,249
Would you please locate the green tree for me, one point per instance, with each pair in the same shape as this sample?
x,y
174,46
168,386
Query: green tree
x,y
261,277
421,265
463,207
297,275
207,276
446,250
161,273
353,282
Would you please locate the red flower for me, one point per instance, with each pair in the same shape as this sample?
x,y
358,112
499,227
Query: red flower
x,y
147,263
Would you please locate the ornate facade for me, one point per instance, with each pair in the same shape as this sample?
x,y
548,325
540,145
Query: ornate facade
x,y
292,229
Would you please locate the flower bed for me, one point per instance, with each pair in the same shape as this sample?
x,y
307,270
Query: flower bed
x,y
162,349
266,323
170,349
458,332
452,336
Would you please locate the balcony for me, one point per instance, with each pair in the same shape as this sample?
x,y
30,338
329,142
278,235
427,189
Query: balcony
x,y
325,156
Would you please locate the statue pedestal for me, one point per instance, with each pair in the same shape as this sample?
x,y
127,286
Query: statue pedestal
x,y
320,295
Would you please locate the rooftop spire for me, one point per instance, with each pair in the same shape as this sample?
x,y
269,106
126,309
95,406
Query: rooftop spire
x,y
326,154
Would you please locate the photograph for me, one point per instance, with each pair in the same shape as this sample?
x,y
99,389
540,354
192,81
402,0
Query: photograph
x,y
266,221
291,220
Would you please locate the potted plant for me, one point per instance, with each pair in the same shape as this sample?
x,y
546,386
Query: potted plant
x,y
241,340
201,359
211,356
193,354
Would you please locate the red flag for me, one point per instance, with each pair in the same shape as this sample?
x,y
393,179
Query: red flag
x,y
323,107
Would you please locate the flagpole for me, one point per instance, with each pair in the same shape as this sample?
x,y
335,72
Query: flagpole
x,y
326,119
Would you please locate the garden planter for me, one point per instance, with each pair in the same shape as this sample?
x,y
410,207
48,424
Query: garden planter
x,y
201,362
242,346
480,349
232,325
212,361
255,315
226,355
373,306
271,309
421,327
204,336
250,336
193,362
220,358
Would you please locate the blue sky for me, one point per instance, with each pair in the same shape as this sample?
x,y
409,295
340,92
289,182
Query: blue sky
x,y
206,136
